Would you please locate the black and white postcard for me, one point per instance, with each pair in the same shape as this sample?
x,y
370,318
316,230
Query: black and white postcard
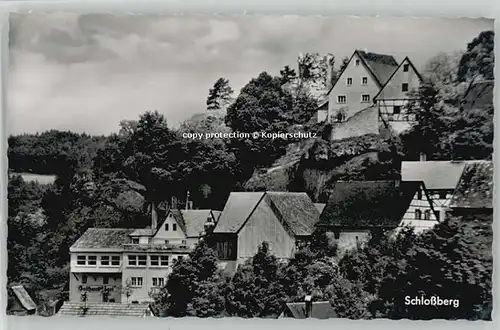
x,y
250,166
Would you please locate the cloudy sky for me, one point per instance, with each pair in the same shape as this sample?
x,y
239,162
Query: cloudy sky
x,y
85,73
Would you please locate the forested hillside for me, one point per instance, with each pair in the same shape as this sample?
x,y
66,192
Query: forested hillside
x,y
110,181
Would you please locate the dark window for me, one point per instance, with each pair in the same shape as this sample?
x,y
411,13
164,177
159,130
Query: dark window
x,y
81,260
349,81
166,227
166,241
105,280
154,260
364,80
357,62
418,214
427,214
397,109
92,260
341,99
337,235
442,195
105,260
163,260
184,242
365,98
404,87
84,279
115,260
405,67
142,260
174,226
132,260
135,241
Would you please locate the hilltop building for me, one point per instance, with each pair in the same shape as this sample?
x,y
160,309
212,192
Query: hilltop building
x,y
373,90
127,265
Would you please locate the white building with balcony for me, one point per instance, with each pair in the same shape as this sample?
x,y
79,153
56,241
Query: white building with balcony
x,y
127,265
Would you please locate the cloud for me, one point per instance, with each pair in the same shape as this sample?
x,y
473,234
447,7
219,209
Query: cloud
x,y
88,72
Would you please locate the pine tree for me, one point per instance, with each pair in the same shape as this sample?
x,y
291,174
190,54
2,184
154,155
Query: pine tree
x,y
219,96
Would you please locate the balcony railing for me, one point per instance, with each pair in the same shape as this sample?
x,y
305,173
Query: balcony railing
x,y
157,247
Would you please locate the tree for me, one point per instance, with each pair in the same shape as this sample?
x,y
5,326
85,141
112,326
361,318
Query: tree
x,y
255,289
441,70
220,95
287,75
478,61
444,262
189,277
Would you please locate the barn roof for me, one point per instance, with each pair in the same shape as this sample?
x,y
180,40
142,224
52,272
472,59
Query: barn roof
x,y
475,188
361,204
238,208
23,297
319,310
295,210
479,95
435,174
103,238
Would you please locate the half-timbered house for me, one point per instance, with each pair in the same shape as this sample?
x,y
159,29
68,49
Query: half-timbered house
x,y
398,95
357,210
441,179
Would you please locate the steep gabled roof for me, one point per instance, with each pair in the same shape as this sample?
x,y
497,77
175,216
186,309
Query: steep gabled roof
x,y
319,310
23,297
365,204
406,59
475,187
382,66
479,95
295,210
191,222
103,238
238,208
437,175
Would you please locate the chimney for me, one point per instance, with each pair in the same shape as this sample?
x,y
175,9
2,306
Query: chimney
x,y
154,217
397,181
308,301
188,203
173,202
329,71
423,157
442,214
